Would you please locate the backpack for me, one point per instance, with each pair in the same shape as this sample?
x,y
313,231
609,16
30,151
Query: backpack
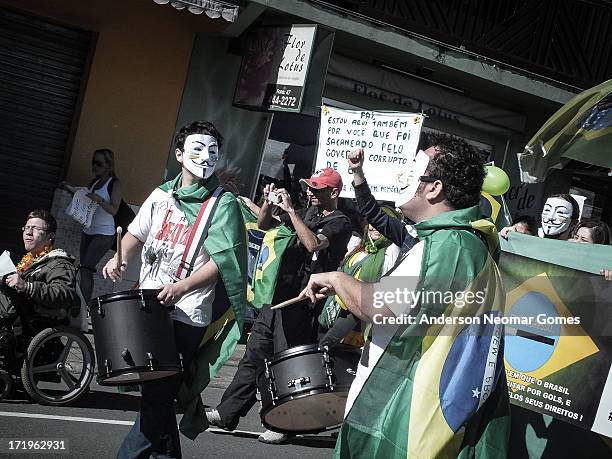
x,y
124,215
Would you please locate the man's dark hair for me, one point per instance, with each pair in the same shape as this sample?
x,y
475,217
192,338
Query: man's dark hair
x,y
600,231
459,167
529,221
431,139
47,217
197,127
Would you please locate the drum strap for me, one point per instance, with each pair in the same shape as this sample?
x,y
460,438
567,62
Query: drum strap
x,y
198,234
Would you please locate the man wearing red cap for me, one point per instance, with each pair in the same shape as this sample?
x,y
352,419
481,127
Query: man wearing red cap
x,y
322,234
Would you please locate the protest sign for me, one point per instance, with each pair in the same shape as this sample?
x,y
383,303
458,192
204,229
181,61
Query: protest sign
x,y
389,139
558,360
81,208
6,264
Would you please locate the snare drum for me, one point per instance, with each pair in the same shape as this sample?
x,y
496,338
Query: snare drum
x,y
134,338
304,389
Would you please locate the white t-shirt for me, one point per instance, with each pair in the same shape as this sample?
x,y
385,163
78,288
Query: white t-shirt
x,y
410,267
162,226
102,222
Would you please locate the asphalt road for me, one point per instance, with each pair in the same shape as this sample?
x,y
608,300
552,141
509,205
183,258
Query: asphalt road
x,y
95,426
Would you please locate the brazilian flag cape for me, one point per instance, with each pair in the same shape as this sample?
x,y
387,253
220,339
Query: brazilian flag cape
x,y
225,243
440,390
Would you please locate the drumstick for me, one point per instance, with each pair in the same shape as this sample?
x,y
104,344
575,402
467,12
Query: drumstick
x,y
119,261
297,299
289,302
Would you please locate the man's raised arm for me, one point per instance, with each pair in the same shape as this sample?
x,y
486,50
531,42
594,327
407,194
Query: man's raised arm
x,y
392,228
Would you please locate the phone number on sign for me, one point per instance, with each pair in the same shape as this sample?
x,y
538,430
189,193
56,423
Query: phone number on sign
x,y
284,101
9,445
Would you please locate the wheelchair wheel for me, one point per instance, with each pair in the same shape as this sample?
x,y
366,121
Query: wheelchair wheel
x,y
58,367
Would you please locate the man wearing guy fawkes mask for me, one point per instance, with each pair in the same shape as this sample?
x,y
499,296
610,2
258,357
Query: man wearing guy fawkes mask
x,y
560,215
393,229
193,247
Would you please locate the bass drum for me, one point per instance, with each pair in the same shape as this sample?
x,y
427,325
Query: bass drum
x,y
134,338
304,389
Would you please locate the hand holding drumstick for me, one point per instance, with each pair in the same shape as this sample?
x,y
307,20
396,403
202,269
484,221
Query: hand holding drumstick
x,y
116,265
314,294
297,299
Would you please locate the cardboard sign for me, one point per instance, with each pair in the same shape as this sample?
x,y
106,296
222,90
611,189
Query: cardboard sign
x,y
389,140
81,208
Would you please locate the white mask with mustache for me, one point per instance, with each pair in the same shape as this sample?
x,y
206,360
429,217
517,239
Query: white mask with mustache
x,y
200,155
408,181
556,216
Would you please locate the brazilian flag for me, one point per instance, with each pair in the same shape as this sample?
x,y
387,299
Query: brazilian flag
x,y
265,254
580,130
558,356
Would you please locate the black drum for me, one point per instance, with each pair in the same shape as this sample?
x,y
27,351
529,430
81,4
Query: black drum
x,y
134,338
304,389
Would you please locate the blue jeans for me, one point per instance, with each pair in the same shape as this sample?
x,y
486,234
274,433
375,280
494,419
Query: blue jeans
x,y
155,431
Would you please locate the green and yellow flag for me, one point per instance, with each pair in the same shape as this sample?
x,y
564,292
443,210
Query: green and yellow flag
x,y
580,130
495,208
558,352
265,254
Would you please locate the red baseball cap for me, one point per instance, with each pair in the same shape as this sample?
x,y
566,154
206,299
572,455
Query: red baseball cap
x,y
324,178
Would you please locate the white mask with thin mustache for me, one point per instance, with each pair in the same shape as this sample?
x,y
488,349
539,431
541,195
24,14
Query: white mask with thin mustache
x,y
556,216
409,180
200,154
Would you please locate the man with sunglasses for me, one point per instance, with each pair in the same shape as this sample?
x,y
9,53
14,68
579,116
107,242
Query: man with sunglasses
x,y
322,233
423,389
42,291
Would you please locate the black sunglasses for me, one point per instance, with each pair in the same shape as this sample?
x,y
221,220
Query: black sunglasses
x,y
427,179
319,190
98,163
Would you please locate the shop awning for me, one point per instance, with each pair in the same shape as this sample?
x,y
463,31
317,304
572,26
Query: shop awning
x,y
580,130
212,8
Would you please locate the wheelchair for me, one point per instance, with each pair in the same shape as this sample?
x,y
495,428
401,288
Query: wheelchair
x,y
53,362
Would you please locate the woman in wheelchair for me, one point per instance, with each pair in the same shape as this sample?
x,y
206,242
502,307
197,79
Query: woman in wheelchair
x,y
36,303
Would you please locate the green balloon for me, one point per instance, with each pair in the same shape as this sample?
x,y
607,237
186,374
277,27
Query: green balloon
x,y
496,181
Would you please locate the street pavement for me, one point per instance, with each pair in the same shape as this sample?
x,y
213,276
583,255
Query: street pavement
x,y
95,426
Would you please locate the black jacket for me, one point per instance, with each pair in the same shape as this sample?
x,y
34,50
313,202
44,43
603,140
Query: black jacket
x,y
50,289
392,228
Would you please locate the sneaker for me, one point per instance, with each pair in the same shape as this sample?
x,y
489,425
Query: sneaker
x,y
273,438
214,419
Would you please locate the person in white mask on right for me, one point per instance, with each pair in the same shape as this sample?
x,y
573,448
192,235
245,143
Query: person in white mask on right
x,y
560,216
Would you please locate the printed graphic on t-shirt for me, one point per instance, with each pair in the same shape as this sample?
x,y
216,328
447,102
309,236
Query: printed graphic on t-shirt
x,y
160,251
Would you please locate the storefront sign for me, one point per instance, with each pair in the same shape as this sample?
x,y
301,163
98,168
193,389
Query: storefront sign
x,y
274,68
415,95
389,139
